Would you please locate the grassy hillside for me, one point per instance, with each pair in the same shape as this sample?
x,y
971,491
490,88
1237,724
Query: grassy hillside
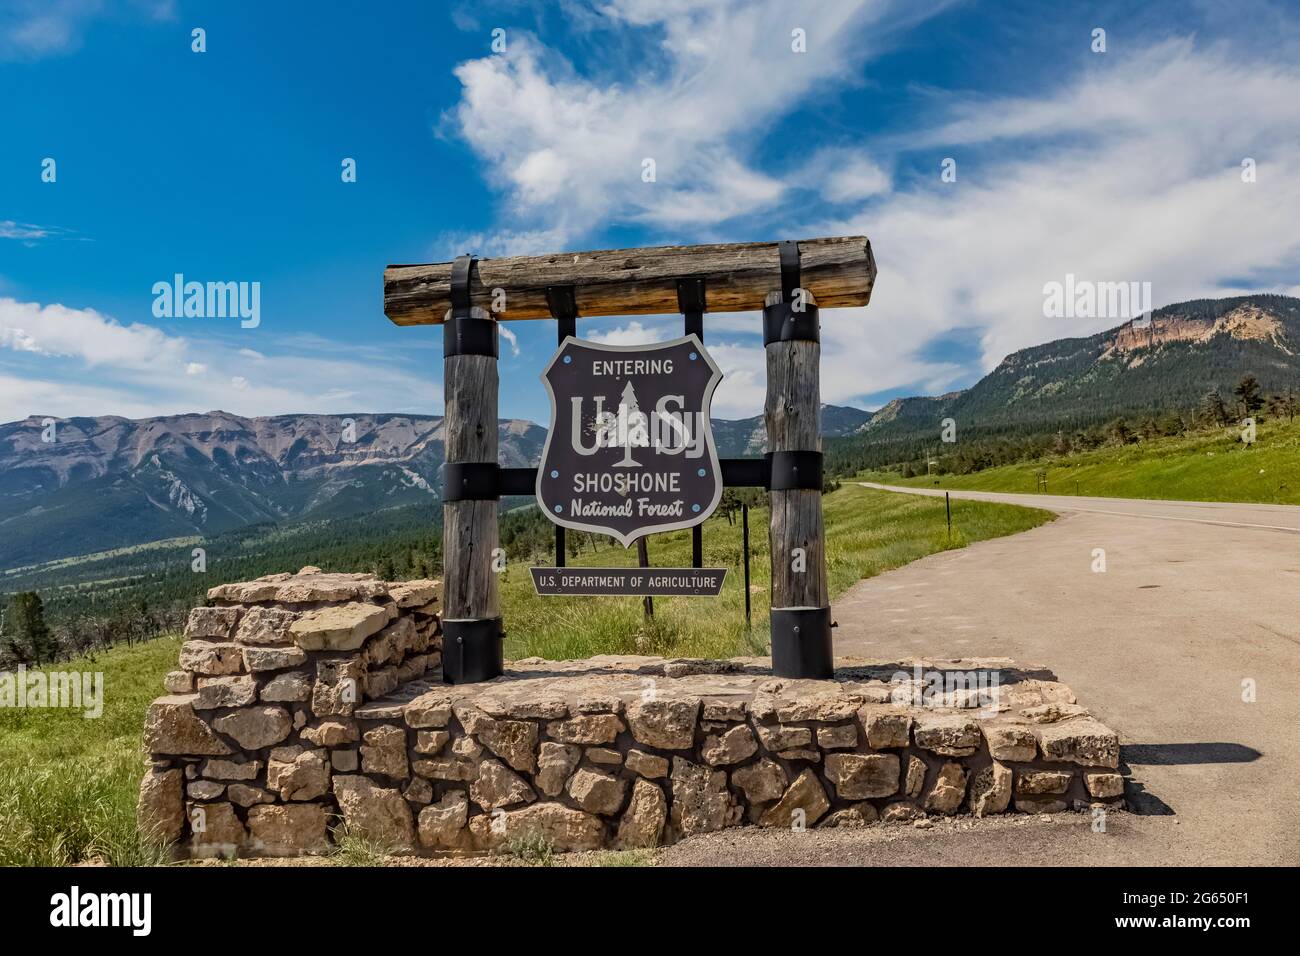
x,y
1207,466
68,784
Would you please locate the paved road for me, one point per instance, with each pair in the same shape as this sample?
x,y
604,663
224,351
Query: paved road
x,y
1196,598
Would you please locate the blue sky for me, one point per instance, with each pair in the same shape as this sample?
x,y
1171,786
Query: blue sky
x,y
225,166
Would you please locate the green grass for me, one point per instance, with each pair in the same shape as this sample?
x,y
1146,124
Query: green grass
x,y
867,532
68,785
1206,466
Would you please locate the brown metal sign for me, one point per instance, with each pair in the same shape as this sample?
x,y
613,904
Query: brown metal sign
x,y
657,582
630,450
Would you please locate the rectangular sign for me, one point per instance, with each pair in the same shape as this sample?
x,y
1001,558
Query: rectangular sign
x,y
633,582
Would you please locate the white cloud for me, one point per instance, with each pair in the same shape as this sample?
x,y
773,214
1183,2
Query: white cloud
x,y
634,333
30,29
61,361
712,76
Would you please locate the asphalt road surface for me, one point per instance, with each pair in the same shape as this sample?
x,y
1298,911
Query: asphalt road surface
x,y
1198,604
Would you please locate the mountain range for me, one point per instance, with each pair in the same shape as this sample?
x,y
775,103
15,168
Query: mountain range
x,y
108,482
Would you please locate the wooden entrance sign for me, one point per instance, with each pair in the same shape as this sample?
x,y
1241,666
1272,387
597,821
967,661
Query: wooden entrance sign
x,y
788,281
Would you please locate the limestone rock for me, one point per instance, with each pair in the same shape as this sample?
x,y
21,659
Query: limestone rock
x,y
383,752
1048,803
667,723
949,789
1011,744
990,790
217,692
597,792
1039,782
605,756
647,765
735,745
345,761
824,708
246,796
701,802
297,773
429,710
339,687
442,824
341,627
374,813
178,682
265,627
1103,785
901,811
215,830
211,623
172,727
414,593
514,741
293,687
1082,741
315,586
564,828
863,776
160,812
837,738
885,728
588,729
599,704
205,790
418,790
214,660
952,735
273,658
643,821
1053,712
761,781
858,815
430,742
255,727
728,710
915,776
333,732
499,786
776,737
287,830
232,769
805,794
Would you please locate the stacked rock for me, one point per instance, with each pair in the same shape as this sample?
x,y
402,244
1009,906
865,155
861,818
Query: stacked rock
x,y
270,674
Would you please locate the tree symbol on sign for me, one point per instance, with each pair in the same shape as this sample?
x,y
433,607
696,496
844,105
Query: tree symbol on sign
x,y
633,428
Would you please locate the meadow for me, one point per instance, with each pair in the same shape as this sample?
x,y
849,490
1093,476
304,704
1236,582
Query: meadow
x,y
68,784
1212,465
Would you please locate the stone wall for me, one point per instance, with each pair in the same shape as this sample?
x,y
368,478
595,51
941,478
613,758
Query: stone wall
x,y
607,752
258,717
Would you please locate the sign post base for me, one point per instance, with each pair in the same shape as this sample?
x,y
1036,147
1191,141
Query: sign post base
x,y
801,643
472,651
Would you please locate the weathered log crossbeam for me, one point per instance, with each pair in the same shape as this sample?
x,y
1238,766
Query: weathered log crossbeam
x,y
839,272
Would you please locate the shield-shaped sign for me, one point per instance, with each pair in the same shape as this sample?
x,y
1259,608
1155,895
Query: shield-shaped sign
x,y
630,450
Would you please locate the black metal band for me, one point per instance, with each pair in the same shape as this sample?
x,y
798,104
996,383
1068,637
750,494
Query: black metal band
x,y
460,270
472,650
790,268
470,337
783,323
516,481
692,302
470,481
745,472
562,302
801,643
793,470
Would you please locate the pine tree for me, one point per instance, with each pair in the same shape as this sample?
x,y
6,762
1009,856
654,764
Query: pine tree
x,y
26,635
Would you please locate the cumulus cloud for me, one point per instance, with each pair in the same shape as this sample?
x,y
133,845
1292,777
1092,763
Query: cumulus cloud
x,y
570,150
56,360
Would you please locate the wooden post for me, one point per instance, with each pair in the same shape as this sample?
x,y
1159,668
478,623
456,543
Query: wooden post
x,y
643,560
801,644
471,599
